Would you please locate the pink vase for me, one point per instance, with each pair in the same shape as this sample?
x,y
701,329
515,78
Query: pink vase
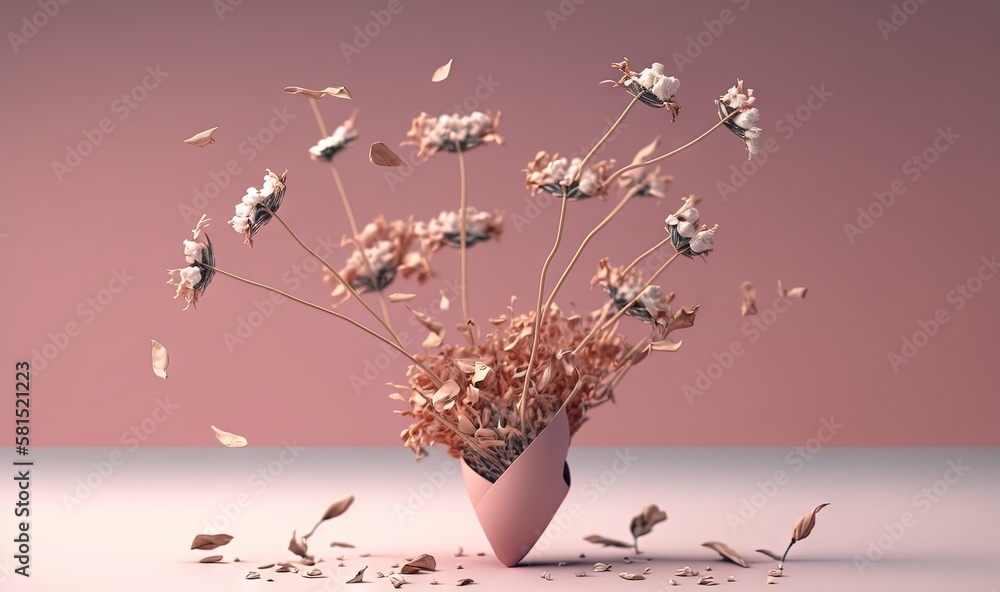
x,y
516,510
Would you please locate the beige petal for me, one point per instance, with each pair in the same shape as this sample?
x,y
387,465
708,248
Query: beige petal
x,y
643,523
446,394
726,551
665,345
482,371
340,92
631,576
396,396
206,542
606,542
436,329
398,297
749,306
445,303
298,546
806,523
229,440
160,360
211,559
442,73
546,575
464,582
396,580
791,292
602,567
644,153
202,139
358,578
380,154
419,563
253,576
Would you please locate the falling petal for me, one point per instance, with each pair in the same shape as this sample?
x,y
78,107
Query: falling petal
x,y
791,292
229,440
206,542
726,551
749,306
338,507
445,303
298,546
160,360
436,336
643,523
202,139
340,92
606,542
380,154
398,297
442,73
358,578
211,559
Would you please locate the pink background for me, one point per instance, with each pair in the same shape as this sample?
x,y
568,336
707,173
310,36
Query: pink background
x,y
826,357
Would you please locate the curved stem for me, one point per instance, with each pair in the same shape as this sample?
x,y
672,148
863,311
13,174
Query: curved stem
x,y
555,290
637,165
319,118
538,309
601,142
463,247
782,562
644,255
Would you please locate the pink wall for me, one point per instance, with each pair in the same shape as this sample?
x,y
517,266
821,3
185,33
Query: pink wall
x,y
63,241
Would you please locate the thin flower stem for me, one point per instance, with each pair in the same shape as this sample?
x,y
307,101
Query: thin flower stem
x,y
601,142
644,255
319,118
782,562
538,308
343,198
463,247
620,313
336,275
637,165
555,290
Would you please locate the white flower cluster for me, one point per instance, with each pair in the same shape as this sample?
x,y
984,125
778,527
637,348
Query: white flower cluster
x,y
652,305
243,219
561,171
334,143
479,227
745,121
381,258
653,80
457,130
686,225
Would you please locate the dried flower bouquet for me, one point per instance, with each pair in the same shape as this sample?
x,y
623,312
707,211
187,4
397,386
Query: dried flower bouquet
x,y
489,394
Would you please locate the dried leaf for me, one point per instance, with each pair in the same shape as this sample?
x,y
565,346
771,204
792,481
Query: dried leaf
x,y
726,551
606,542
229,440
805,524
643,523
398,297
396,580
442,73
444,397
436,336
160,360
445,303
602,567
791,292
381,155
202,139
206,542
313,573
358,578
631,576
337,508
298,546
340,92
482,371
464,582
211,559
770,554
419,563
749,306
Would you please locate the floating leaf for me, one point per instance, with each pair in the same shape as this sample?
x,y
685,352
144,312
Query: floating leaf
x,y
299,546
791,292
340,92
749,306
442,73
381,155
631,576
444,397
202,139
211,559
206,542
464,582
643,523
445,303
160,360
806,523
358,578
419,563
229,440
770,554
726,551
398,297
606,542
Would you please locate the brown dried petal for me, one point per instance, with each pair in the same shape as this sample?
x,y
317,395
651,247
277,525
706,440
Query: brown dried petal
x,y
211,559
337,508
441,74
602,567
643,523
253,576
631,576
340,92
160,360
546,575
806,523
436,336
358,578
228,439
444,397
749,306
464,582
380,154
418,563
205,542
396,580
298,546
726,551
606,542
202,139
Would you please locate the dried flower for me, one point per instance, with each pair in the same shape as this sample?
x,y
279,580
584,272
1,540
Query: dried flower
x,y
749,306
444,230
644,181
643,523
385,252
453,133
254,210
341,138
652,307
557,175
191,281
651,86
743,124
688,235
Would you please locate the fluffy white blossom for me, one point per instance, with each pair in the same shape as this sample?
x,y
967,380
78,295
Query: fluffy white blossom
x,y
341,138
445,229
555,175
252,211
744,123
454,132
687,233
